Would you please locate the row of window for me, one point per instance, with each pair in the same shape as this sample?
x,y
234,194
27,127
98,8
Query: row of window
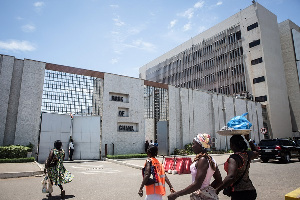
x,y
256,61
252,26
258,79
254,43
261,98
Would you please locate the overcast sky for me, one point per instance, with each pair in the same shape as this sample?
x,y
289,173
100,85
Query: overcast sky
x,y
114,36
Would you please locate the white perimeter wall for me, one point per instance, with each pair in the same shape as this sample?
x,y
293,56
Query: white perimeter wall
x,y
193,112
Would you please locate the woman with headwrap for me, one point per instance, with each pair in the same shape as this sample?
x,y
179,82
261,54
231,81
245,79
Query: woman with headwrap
x,y
202,169
237,183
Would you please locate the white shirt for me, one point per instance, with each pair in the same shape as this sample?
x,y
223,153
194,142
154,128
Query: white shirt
x,y
210,172
71,145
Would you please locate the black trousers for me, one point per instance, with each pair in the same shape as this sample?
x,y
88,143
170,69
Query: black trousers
x,y
71,154
244,195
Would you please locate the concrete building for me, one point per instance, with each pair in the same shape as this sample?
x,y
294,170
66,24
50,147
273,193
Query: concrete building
x,y
107,113
242,57
290,46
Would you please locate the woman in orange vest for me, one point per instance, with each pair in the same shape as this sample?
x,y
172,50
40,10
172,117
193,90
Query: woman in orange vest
x,y
202,169
155,187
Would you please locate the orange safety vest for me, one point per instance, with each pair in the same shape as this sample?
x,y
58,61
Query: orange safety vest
x,y
159,187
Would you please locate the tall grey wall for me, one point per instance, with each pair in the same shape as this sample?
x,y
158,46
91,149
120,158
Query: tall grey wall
x,y
6,73
30,101
289,36
193,112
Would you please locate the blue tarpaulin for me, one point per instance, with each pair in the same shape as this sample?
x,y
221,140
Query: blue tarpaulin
x,y
239,122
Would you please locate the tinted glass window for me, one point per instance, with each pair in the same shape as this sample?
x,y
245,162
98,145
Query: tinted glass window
x,y
268,143
285,143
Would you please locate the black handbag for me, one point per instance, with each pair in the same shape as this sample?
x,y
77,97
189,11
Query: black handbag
x,y
229,190
153,172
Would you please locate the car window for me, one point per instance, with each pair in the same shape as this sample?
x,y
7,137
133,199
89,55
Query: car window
x,y
267,143
298,142
284,143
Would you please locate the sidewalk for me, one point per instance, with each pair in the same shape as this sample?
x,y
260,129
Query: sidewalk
x,y
16,170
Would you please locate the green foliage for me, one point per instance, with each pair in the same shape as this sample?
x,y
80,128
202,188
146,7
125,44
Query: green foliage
x,y
127,156
30,147
17,160
13,151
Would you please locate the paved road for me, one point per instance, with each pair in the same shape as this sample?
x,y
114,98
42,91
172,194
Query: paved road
x,y
105,180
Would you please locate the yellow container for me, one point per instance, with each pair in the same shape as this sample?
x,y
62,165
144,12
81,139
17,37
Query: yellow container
x,y
293,195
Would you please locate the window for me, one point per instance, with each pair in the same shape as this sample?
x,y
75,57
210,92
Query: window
x,y
254,43
261,98
258,79
256,61
252,26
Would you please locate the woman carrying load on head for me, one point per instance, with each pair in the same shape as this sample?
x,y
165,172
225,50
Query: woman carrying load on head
x,y
156,190
57,173
202,169
237,183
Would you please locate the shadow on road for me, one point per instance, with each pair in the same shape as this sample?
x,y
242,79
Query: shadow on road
x,y
58,197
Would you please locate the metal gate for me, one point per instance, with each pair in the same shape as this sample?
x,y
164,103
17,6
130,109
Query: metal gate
x,y
162,137
85,131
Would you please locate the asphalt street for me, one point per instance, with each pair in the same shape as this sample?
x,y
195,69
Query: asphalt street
x,y
108,181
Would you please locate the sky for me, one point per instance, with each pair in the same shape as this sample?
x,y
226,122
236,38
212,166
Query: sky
x,y
114,36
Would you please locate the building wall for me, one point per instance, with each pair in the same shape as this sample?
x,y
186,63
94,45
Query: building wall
x,y
275,75
124,142
11,118
194,111
290,68
30,101
6,73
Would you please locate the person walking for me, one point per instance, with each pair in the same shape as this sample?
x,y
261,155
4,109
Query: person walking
x,y
155,189
237,183
202,170
146,146
71,149
55,169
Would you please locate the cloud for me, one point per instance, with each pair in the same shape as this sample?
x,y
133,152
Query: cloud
x,y
219,3
172,23
140,44
114,6
187,26
199,4
28,28
118,22
15,45
39,5
114,60
189,13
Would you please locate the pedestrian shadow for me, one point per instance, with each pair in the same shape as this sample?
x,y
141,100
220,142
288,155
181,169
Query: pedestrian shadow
x,y
58,197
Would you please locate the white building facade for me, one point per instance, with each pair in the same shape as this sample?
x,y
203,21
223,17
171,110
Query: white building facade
x,y
240,56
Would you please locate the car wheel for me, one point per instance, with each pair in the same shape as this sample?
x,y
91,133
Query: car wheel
x,y
265,160
286,158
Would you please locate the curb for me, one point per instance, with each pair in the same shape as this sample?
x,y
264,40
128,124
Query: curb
x,y
124,163
19,174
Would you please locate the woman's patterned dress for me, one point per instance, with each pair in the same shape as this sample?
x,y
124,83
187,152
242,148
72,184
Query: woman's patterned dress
x,y
58,174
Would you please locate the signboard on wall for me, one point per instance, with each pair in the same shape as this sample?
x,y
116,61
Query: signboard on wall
x,y
127,127
118,97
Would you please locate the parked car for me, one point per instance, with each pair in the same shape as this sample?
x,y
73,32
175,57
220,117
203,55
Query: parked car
x,y
280,149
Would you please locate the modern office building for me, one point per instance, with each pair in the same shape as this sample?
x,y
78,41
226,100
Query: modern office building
x,y
241,57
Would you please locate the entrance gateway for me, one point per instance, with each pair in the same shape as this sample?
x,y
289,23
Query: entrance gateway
x,y
85,131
